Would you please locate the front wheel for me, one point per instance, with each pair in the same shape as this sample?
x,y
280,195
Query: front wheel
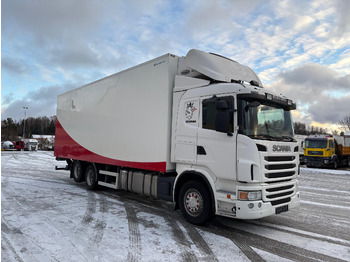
x,y
91,177
195,203
335,164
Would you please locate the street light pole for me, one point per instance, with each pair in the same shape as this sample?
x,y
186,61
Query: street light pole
x,y
25,116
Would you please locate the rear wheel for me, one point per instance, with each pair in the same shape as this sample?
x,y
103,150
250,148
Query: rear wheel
x,y
77,171
195,203
91,177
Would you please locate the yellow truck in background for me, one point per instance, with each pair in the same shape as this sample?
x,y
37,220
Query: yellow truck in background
x,y
327,151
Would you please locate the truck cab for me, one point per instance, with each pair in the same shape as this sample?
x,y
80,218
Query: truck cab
x,y
325,152
237,139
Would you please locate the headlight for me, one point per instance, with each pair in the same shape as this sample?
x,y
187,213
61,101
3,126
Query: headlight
x,y
249,195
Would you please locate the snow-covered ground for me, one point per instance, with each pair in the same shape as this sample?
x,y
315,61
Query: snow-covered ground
x,y
47,217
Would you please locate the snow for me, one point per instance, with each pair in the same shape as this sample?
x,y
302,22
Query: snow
x,y
325,171
319,246
45,216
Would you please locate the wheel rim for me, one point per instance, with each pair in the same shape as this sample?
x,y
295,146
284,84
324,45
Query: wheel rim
x,y
193,202
90,177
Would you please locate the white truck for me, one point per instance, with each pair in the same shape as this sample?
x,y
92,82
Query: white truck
x,y
30,144
198,130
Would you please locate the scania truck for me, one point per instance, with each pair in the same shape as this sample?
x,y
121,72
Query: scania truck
x,y
200,131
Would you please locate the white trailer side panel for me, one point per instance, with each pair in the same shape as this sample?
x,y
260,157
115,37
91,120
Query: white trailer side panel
x,y
123,119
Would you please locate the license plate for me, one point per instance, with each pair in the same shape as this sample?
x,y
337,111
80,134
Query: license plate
x,y
281,209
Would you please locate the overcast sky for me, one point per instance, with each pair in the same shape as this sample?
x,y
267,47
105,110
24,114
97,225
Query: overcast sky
x,y
298,48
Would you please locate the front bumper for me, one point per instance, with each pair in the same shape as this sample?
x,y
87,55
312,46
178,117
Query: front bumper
x,y
319,161
244,209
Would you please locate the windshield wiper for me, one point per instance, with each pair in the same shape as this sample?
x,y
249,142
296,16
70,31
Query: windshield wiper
x,y
289,138
263,136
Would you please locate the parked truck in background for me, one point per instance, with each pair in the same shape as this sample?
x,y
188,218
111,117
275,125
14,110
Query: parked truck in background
x,y
7,146
30,144
19,145
327,151
198,130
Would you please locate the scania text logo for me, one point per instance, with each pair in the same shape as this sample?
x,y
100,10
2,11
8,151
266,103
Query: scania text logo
x,y
277,148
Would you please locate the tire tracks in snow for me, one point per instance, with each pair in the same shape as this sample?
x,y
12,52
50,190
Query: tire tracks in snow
x,y
179,232
98,225
135,247
6,245
200,243
186,253
272,246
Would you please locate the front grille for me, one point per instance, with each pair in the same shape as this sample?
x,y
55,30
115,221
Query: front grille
x,y
281,201
279,158
280,195
279,188
279,174
280,166
315,153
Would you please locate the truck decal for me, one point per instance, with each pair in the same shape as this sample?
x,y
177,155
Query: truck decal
x,y
190,109
66,147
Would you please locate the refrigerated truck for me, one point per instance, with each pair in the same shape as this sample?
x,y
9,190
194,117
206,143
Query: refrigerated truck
x,y
200,131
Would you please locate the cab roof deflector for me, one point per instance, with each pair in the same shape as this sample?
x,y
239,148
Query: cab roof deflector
x,y
219,68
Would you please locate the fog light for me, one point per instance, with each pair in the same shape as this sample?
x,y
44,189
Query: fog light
x,y
251,205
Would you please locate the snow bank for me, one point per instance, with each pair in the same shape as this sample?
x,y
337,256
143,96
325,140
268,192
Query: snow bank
x,y
324,171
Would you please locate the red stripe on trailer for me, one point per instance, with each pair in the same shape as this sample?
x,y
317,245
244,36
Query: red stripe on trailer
x,y
67,147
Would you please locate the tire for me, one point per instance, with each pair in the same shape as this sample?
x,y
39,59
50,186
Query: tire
x,y
195,203
335,164
77,170
91,177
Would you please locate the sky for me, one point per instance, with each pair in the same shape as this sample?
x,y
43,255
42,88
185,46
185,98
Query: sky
x,y
298,48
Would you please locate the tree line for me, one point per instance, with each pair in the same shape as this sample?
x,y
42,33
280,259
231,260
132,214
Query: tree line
x,y
302,129
11,129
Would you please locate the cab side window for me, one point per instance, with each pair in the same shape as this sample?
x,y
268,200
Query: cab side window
x,y
209,112
331,144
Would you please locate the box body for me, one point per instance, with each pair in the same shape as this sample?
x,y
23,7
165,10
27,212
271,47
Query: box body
x,y
123,119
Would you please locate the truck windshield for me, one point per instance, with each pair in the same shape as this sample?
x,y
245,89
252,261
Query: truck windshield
x,y
313,143
265,121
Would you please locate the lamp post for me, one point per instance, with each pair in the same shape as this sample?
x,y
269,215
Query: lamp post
x,y
25,116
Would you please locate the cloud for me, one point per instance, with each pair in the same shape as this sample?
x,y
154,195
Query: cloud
x,y
299,48
330,110
316,76
14,66
41,102
322,94
343,9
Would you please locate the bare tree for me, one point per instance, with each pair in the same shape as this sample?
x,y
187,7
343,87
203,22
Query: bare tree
x,y
345,123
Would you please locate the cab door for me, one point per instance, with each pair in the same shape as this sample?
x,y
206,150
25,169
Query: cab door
x,y
186,131
217,150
